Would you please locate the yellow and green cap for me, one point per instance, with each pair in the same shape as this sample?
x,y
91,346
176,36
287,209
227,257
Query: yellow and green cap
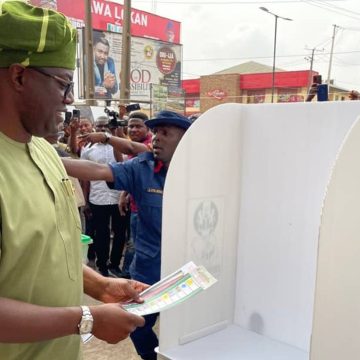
x,y
34,36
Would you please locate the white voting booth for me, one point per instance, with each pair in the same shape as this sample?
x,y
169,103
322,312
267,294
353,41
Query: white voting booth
x,y
244,197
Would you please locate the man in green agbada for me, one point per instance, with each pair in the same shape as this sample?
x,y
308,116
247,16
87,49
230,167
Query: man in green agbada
x,y
41,276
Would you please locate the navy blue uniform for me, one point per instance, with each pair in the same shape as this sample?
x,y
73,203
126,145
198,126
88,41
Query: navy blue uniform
x,y
145,183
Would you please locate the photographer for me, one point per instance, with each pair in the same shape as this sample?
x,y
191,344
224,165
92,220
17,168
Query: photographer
x,y
121,144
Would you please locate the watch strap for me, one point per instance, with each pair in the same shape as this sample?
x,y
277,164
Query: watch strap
x,y
85,319
107,137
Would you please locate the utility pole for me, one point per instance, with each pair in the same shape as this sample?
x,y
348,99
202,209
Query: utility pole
x,y
331,53
89,55
126,55
274,57
153,6
311,58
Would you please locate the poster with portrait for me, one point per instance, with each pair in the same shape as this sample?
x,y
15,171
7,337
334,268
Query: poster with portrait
x,y
152,63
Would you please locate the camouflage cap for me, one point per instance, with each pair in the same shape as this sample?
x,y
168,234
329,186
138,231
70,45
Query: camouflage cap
x,y
34,36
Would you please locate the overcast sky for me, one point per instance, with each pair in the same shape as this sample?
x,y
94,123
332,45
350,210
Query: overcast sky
x,y
220,34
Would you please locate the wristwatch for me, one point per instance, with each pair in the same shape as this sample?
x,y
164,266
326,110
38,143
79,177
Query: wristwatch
x,y
86,324
107,137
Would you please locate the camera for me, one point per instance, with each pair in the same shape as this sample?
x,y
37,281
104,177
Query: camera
x,y
114,120
132,107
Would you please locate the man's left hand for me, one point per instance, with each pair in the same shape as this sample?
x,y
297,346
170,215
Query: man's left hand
x,y
122,290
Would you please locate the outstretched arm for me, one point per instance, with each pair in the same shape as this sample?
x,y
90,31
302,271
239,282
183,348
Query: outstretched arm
x,y
87,170
123,145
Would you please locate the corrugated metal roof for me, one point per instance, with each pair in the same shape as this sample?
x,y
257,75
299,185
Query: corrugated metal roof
x,y
250,67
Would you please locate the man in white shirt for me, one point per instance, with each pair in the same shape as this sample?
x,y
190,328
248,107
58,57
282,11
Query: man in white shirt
x,y
103,203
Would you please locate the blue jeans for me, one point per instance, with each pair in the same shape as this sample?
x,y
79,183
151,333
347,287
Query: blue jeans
x,y
130,249
144,338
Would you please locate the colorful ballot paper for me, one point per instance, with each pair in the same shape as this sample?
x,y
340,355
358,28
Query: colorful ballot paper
x,y
181,285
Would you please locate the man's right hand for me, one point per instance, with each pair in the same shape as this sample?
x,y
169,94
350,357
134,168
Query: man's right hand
x,y
112,323
312,92
123,203
93,138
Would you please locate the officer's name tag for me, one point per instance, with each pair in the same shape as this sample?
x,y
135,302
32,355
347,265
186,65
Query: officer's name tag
x,y
154,191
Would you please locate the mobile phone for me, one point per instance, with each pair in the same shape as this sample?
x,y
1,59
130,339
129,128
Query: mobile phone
x,y
132,107
68,116
317,79
76,113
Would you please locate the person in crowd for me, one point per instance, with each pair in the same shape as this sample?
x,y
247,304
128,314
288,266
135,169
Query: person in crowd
x,y
64,134
354,95
140,133
86,126
143,177
312,92
104,68
104,206
41,273
78,128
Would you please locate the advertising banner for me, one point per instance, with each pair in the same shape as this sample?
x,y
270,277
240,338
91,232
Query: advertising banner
x,y
152,62
108,16
159,95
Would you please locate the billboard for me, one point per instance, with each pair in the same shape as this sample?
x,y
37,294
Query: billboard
x,y
152,62
108,16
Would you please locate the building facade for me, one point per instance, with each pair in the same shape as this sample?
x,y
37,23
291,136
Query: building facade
x,y
251,83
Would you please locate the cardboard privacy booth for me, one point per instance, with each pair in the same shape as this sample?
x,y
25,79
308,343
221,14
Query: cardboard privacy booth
x,y
337,298
243,197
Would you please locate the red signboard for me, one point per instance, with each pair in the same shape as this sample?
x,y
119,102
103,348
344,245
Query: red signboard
x,y
166,60
282,79
108,16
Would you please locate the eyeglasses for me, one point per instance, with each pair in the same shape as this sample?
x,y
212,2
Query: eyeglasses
x,y
69,85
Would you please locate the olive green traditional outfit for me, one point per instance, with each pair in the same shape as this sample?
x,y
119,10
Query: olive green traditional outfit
x,y
40,257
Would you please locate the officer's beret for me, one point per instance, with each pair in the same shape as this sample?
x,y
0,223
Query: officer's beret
x,y
166,117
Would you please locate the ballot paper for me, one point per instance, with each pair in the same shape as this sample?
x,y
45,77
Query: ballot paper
x,y
174,289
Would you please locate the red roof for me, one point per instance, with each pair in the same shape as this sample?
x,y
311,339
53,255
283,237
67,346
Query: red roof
x,y
283,79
